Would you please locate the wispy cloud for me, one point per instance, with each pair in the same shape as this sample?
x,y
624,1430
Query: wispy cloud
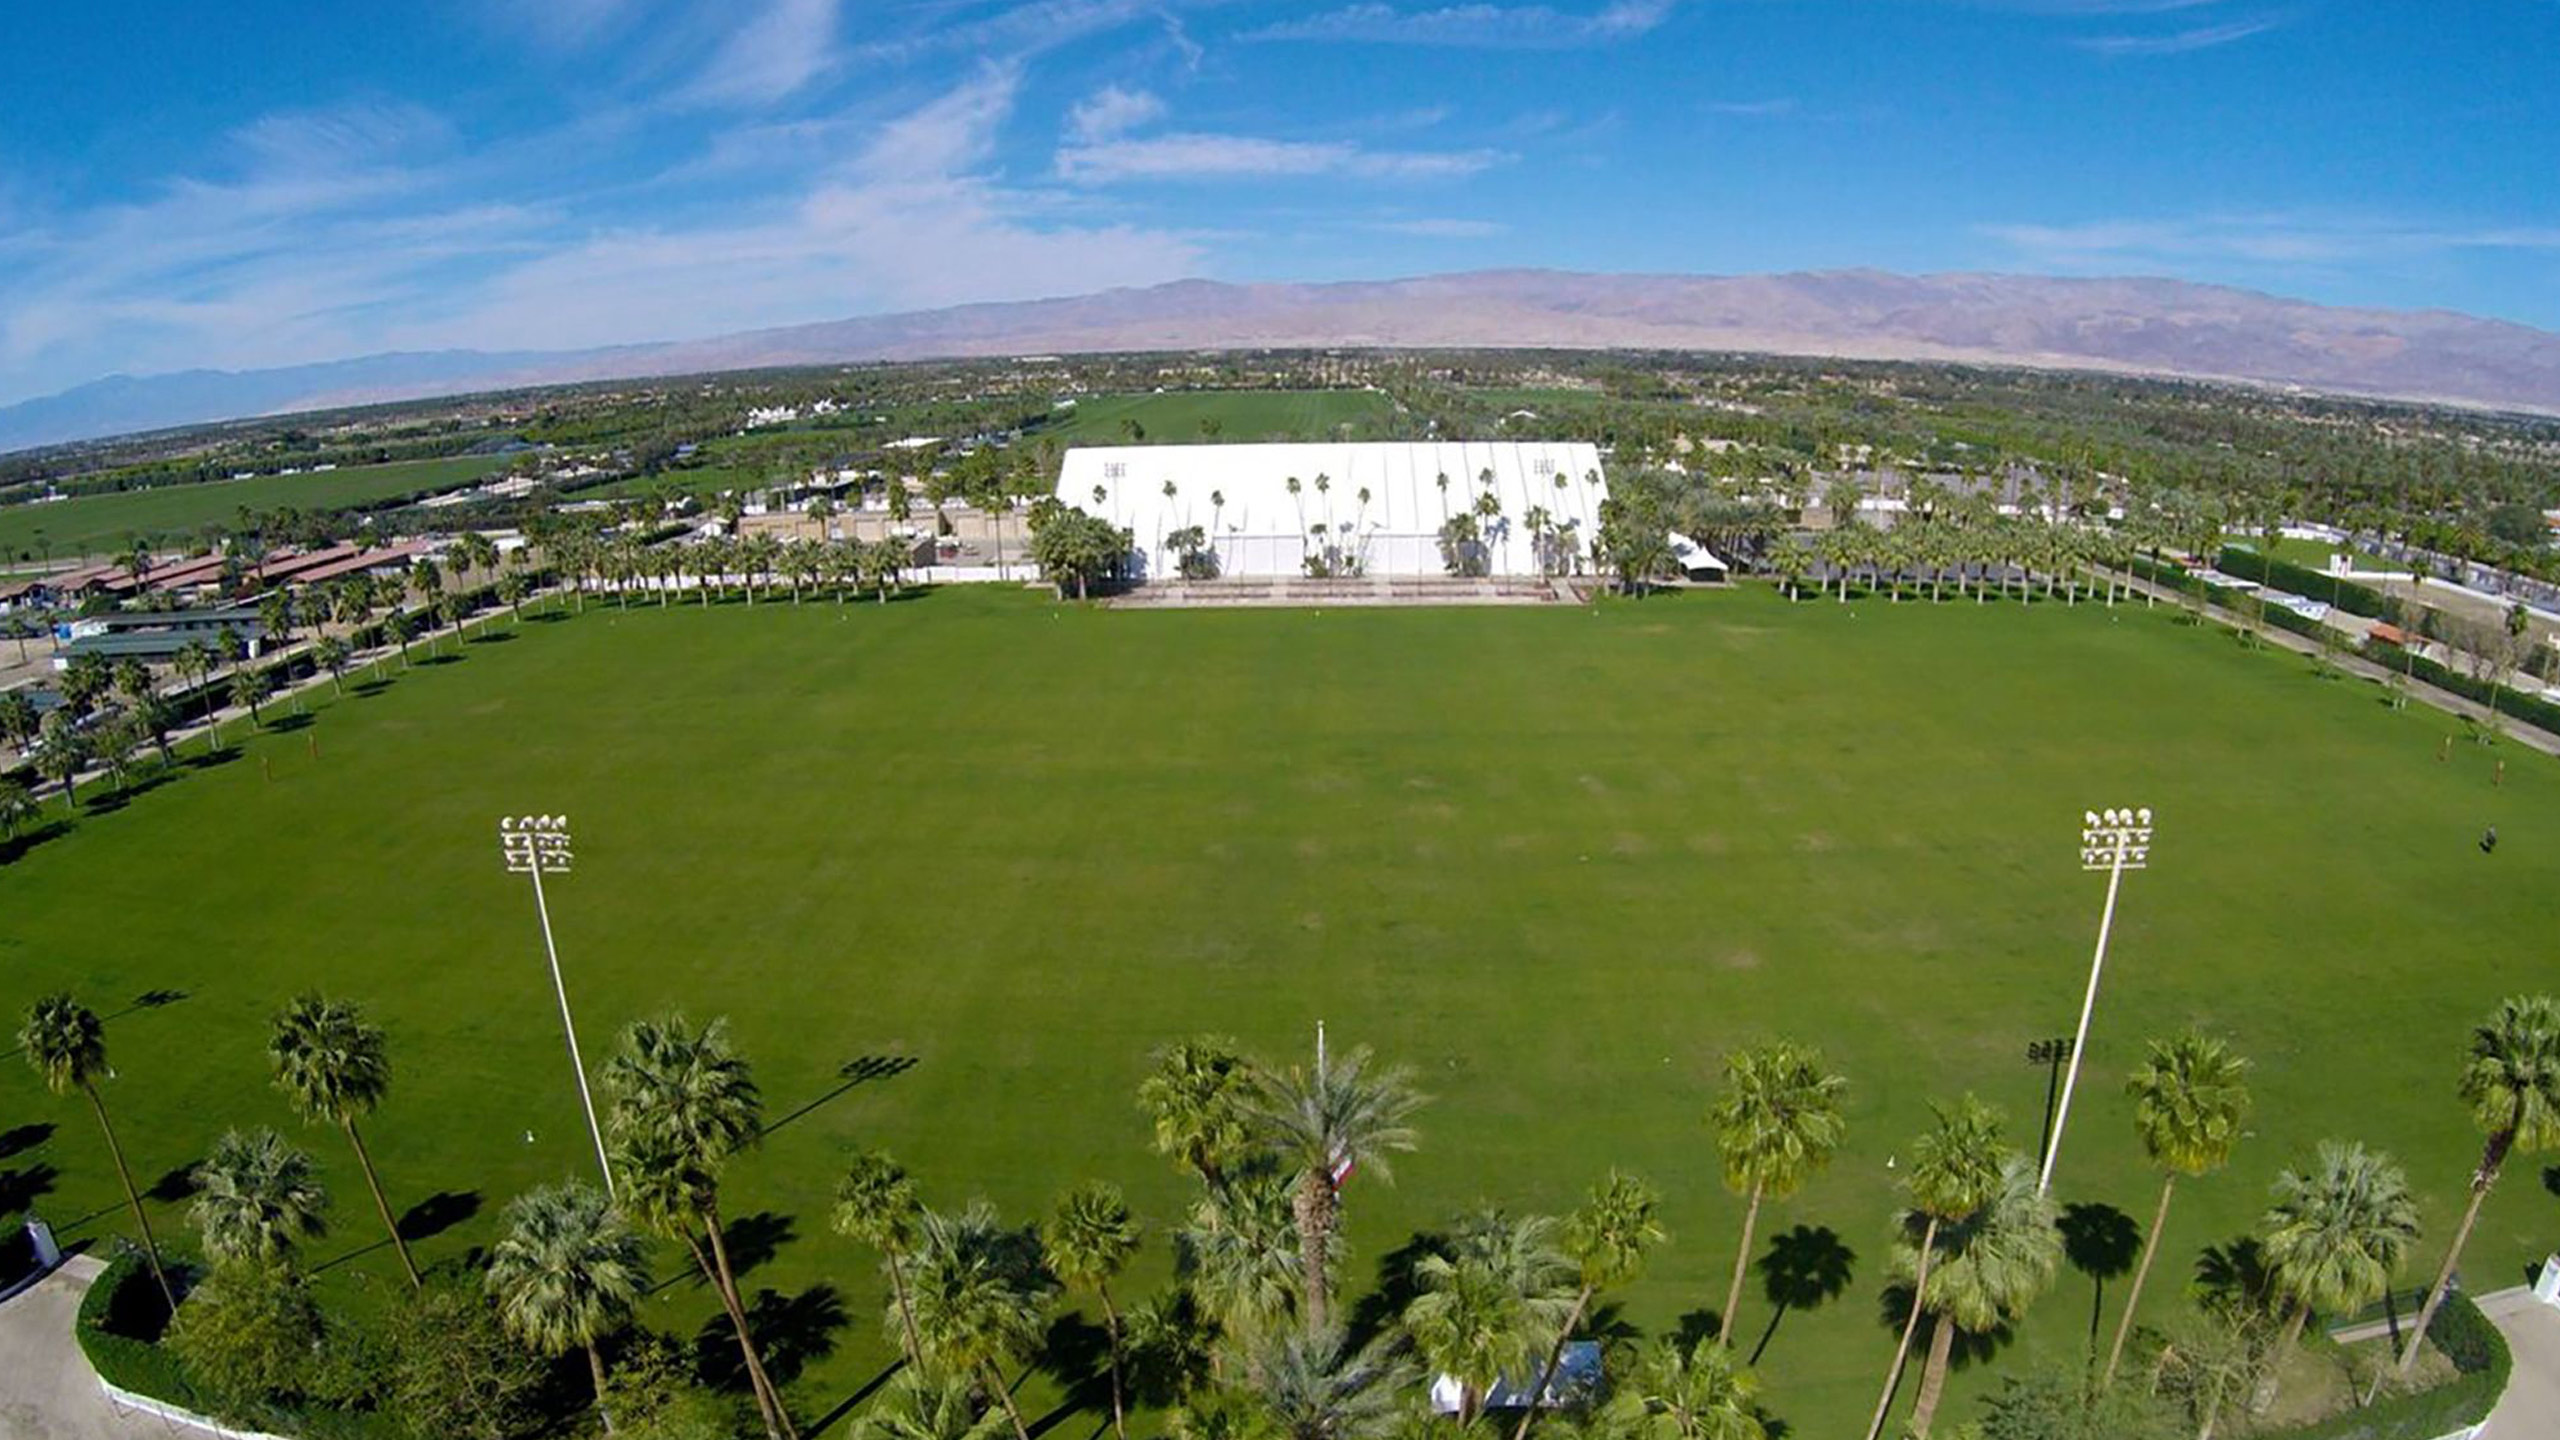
x,y
1195,156
1753,109
337,233
2263,239
785,46
1486,26
1112,112
2176,42
1443,228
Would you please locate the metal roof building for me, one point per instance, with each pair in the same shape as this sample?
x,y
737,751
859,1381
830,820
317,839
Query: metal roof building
x,y
1382,504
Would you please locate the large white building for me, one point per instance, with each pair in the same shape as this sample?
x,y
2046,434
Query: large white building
x,y
1381,505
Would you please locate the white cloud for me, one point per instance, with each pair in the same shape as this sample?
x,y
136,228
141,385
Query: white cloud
x,y
2177,42
1753,109
270,265
787,45
1192,156
1112,112
2269,239
1509,27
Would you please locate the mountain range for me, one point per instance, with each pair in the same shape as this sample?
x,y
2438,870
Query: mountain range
x,y
2132,325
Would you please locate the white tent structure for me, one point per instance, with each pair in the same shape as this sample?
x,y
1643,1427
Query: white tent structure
x,y
1382,504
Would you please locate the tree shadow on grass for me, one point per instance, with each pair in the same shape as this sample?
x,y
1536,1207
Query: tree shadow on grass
x,y
861,1070
845,1407
755,1238
1076,1355
175,1184
2551,1178
1398,1284
1806,1268
1695,1326
210,759
21,1139
21,1189
29,838
2101,1242
438,1213
367,689
288,724
791,1333
491,637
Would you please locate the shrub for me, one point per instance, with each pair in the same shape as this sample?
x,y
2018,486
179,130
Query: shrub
x,y
2479,1355
121,1321
248,1337
2532,710
2347,595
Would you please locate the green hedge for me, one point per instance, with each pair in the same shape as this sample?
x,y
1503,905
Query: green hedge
x,y
2539,713
121,1321
2347,595
2479,1354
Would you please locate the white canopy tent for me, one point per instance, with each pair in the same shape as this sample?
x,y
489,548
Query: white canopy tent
x,y
1382,503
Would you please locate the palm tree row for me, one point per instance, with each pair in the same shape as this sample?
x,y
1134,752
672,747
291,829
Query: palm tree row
x,y
1250,1325
752,566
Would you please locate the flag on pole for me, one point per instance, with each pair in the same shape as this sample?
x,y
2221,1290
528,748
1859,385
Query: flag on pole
x,y
1340,1172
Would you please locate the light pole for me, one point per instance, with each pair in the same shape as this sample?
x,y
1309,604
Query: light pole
x,y
2114,841
534,845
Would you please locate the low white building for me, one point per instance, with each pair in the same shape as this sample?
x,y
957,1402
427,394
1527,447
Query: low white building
x,y
1381,506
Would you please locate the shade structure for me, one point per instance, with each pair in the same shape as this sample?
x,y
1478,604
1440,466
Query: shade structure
x,y
1380,504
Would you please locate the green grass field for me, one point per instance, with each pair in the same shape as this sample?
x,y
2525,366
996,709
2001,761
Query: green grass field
x,y
1176,418
105,523
1560,860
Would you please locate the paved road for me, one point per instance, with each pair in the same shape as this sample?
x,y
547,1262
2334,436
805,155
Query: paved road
x,y
50,1392
2530,1410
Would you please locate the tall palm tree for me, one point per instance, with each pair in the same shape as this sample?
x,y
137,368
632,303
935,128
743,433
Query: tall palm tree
x,y
1239,1255
1491,1306
257,1199
66,1044
1090,1238
876,1204
566,1274
2512,1084
667,1190
2190,1097
337,1068
1606,1240
1955,1170
1777,1124
2335,1234
1196,1099
1316,1386
683,1103
1340,1115
1993,1264
1701,1393
981,1294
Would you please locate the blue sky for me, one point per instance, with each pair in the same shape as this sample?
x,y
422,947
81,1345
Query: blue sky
x,y
263,182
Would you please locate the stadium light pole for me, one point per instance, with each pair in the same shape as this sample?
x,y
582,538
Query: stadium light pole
x,y
534,845
2114,841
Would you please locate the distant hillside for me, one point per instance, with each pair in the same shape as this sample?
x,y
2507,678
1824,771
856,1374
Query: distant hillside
x,y
2164,327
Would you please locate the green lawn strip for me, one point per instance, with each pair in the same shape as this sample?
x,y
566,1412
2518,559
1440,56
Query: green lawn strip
x,y
1560,860
106,523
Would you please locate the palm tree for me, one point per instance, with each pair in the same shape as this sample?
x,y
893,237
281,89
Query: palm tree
x,y
1995,1262
1316,1387
683,1103
566,1274
1777,1124
2512,1084
2335,1235
980,1296
1955,1170
1606,1240
257,1199
1090,1239
1327,1121
1239,1255
2190,1097
876,1204
336,1068
1701,1393
1492,1305
917,1406
17,806
66,1043
1196,1098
